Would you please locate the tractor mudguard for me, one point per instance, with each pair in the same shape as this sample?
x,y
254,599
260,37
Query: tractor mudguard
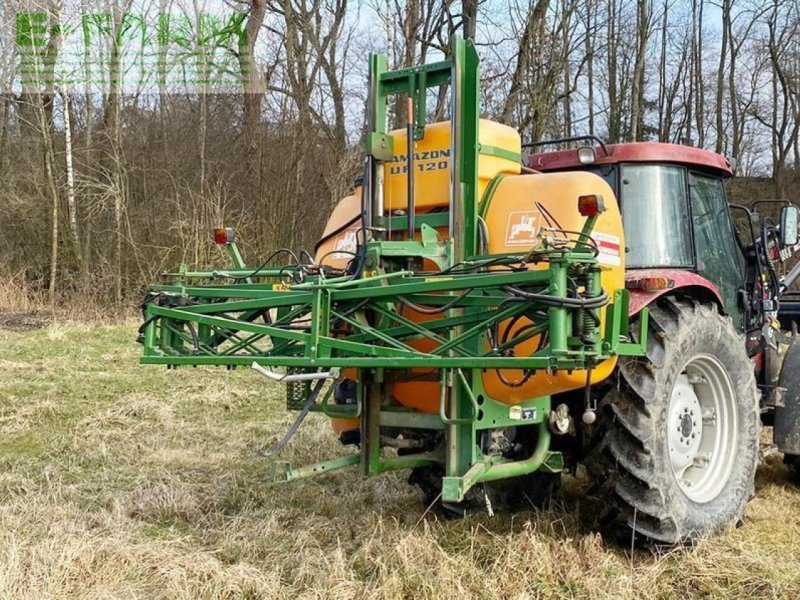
x,y
690,283
787,413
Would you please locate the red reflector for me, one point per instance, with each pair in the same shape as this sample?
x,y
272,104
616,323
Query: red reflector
x,y
223,235
650,284
591,206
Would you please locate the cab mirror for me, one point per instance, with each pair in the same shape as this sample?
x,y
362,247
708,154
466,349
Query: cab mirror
x,y
790,216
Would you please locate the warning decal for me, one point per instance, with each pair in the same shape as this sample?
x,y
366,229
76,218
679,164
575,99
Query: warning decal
x,y
522,228
346,243
608,247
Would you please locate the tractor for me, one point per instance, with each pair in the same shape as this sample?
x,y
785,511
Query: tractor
x,y
489,318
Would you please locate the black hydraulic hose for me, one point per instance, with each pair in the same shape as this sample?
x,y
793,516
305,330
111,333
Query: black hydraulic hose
x,y
463,267
437,310
327,254
514,384
547,300
362,250
277,252
551,220
543,339
312,398
356,308
147,322
195,339
336,232
483,236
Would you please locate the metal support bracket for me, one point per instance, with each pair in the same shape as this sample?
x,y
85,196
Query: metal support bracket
x,y
287,378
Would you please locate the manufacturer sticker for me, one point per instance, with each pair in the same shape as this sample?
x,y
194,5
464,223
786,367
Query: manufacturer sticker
x,y
523,228
608,248
346,243
517,413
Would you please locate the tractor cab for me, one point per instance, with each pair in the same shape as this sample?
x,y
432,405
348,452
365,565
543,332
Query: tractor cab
x,y
674,207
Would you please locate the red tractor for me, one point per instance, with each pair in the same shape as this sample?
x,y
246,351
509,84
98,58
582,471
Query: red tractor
x,y
676,444
490,326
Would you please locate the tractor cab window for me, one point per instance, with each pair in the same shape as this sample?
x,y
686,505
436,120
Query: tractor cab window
x,y
715,246
655,212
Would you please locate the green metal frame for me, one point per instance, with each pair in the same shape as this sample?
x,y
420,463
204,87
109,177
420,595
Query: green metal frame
x,y
243,316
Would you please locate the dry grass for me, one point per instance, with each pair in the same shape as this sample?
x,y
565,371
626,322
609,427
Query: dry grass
x,y
25,304
118,480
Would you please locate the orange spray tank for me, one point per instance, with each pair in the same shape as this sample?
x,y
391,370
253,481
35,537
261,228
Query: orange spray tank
x,y
520,211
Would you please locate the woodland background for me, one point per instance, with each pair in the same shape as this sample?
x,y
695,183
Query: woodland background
x,y
104,183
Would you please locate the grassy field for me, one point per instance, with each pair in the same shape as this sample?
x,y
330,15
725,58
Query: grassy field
x,y
118,480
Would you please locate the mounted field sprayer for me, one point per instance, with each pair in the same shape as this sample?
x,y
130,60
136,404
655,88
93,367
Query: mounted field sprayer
x,y
463,319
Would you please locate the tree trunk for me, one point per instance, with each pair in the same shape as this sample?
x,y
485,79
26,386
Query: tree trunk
x,y
533,20
700,110
47,146
663,133
589,49
253,87
637,93
469,12
614,115
71,207
719,108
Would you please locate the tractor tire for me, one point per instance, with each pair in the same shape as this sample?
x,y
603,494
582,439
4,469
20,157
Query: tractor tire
x,y
675,448
792,462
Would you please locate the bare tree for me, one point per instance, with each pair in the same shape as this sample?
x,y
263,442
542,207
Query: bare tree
x,y
643,28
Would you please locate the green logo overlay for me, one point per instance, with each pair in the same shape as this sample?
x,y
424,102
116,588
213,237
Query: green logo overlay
x,y
133,52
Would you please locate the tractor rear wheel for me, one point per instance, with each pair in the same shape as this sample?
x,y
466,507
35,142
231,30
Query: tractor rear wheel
x,y
675,449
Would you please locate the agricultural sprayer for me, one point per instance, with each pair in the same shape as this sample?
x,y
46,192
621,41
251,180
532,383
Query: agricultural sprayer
x,y
489,325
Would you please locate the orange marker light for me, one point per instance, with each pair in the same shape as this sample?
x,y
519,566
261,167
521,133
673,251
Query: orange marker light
x,y
591,206
223,235
650,284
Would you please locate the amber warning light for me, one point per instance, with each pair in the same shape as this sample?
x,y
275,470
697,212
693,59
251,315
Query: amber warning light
x,y
650,284
223,235
591,206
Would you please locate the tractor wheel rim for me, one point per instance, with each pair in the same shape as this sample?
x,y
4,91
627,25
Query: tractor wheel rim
x,y
702,428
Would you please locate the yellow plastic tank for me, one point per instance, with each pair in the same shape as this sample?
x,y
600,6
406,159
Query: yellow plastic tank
x,y
520,213
499,152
